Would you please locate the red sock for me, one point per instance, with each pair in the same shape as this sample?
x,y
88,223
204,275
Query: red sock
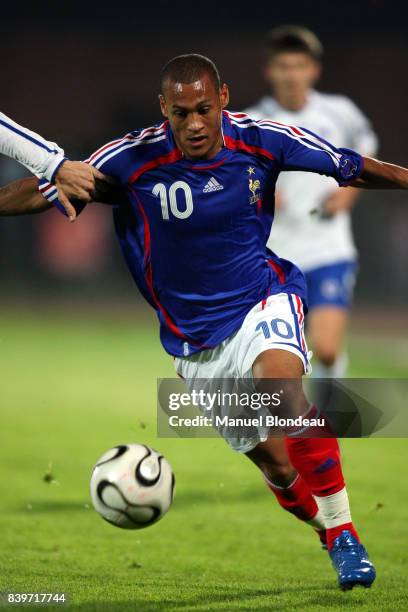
x,y
296,498
318,462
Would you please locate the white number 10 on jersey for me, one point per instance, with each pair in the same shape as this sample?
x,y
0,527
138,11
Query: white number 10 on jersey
x,y
161,190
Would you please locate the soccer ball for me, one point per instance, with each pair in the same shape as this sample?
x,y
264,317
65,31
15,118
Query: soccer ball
x,y
132,486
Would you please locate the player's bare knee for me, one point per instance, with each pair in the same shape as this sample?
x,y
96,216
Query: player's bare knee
x,y
271,458
280,475
326,355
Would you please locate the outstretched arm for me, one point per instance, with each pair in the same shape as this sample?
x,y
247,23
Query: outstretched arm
x,y
381,175
22,198
46,160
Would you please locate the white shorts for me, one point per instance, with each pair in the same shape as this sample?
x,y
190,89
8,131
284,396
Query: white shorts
x,y
275,323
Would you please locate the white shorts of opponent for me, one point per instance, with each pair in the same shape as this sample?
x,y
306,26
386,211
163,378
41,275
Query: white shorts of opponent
x,y
275,323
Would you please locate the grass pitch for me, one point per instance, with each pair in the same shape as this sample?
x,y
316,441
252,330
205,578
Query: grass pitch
x,y
71,389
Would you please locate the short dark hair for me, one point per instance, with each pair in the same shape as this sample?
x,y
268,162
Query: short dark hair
x,y
189,68
292,38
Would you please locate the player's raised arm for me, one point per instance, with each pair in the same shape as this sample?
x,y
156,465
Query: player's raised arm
x,y
378,174
22,198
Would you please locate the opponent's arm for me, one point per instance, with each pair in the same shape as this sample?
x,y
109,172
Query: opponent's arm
x,y
41,157
22,198
340,200
377,174
47,160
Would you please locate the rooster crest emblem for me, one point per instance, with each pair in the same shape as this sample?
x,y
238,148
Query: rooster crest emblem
x,y
254,186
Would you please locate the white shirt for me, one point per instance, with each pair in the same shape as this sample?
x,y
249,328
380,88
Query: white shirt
x,y
307,239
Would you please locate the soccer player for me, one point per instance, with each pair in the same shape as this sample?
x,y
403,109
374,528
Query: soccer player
x,y
193,208
310,206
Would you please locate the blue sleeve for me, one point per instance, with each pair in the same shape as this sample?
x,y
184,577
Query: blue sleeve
x,y
304,150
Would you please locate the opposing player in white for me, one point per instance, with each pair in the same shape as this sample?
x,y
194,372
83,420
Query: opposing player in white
x,y
311,207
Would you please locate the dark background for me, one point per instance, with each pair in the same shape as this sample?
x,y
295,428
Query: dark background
x,y
82,73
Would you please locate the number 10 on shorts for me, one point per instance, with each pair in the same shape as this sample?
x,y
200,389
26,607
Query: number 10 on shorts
x,y
278,327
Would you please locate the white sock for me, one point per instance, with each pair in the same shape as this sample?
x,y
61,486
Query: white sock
x,y
337,370
335,509
317,522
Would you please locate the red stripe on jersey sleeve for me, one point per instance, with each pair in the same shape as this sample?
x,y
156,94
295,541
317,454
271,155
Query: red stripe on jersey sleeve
x,y
240,145
170,158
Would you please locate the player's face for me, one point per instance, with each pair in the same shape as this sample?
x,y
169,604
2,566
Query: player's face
x,y
194,111
292,74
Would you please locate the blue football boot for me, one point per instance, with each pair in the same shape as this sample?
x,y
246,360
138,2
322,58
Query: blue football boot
x,y
350,560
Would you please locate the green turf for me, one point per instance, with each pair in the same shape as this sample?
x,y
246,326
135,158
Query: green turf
x,y
70,389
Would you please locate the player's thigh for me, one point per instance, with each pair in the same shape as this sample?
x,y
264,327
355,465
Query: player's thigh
x,y
327,326
330,290
277,363
273,349
271,342
332,285
278,373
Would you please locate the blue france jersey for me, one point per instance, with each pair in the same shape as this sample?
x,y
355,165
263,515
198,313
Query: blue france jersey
x,y
194,233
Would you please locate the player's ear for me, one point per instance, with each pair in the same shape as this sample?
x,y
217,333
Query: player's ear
x,y
163,105
224,96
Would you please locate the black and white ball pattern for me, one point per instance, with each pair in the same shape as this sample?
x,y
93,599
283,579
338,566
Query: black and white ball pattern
x,y
132,486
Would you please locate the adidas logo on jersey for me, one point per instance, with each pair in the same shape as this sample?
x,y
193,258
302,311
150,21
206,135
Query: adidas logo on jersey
x,y
212,185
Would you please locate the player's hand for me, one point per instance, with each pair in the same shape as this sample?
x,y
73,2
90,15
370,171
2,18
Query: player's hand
x,y
77,180
341,200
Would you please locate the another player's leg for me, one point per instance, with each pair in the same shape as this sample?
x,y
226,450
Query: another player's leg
x,y
327,326
289,488
318,462
330,293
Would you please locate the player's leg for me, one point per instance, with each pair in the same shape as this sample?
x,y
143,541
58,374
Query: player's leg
x,y
289,488
212,370
327,327
330,291
318,462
